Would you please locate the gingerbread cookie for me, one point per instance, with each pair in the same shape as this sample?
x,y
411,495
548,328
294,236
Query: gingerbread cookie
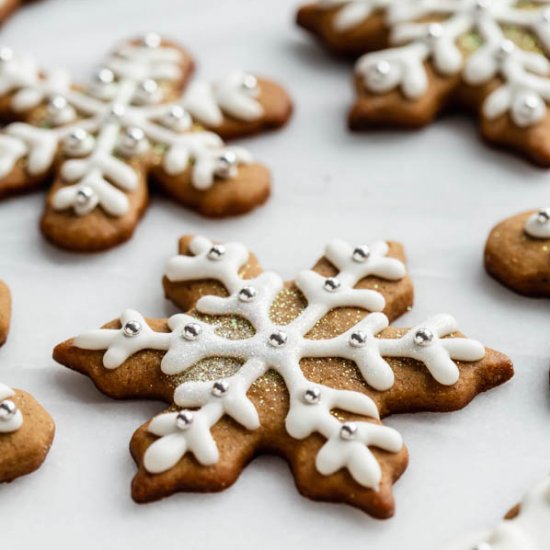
x,y
26,429
304,370
488,56
5,311
526,527
517,253
101,144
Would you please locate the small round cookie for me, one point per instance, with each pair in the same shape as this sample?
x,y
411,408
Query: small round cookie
x,y
517,253
26,433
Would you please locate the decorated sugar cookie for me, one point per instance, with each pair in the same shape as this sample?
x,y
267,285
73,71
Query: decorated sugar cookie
x,y
26,429
526,527
488,56
305,370
101,144
517,253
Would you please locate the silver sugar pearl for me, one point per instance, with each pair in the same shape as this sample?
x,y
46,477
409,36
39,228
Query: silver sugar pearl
x,y
83,197
131,329
219,388
543,216
132,140
312,396
8,409
357,339
331,284
191,331
225,164
104,76
423,337
57,107
278,339
117,110
435,30
184,419
76,142
6,54
217,252
247,294
147,90
348,431
530,103
178,118
361,253
151,40
249,83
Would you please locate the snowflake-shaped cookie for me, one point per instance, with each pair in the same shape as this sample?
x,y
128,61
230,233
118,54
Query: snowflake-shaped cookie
x,y
304,370
133,123
490,56
26,429
517,253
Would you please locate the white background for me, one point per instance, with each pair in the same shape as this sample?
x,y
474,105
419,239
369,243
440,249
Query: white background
x,y
439,191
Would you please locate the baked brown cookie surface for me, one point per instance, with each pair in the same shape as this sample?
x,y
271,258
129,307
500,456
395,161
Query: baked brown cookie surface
x,y
5,311
26,434
419,60
524,527
26,429
305,370
517,253
138,122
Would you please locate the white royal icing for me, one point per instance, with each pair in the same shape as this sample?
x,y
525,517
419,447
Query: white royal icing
x,y
9,421
538,224
530,530
280,348
524,89
128,99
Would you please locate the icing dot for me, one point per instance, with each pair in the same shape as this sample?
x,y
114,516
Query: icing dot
x,y
216,252
348,431
7,410
249,83
360,253
331,284
152,40
220,388
225,164
247,294
278,339
423,337
357,339
117,110
104,76
191,331
312,396
506,48
184,420
131,328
